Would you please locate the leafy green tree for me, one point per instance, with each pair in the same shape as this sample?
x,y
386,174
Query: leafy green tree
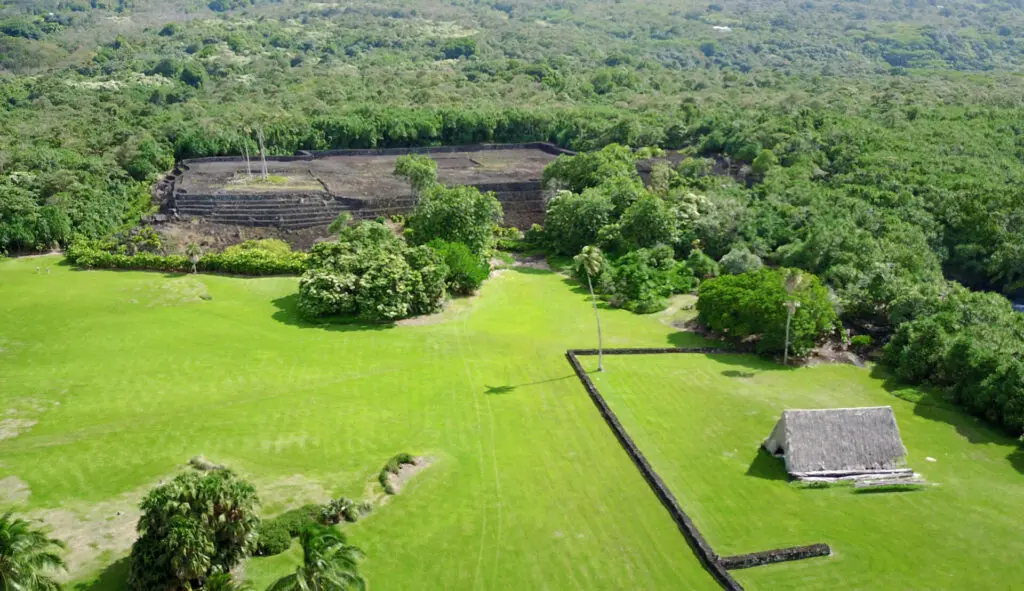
x,y
28,557
329,563
765,161
419,170
574,220
591,261
193,74
195,526
340,223
458,214
590,169
740,260
466,270
702,265
648,222
756,305
371,273
143,157
643,279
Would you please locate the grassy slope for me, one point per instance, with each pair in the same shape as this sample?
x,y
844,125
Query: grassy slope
x,y
700,421
530,489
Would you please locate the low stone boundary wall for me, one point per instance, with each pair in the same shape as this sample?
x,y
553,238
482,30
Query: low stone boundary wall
x,y
693,536
773,556
716,565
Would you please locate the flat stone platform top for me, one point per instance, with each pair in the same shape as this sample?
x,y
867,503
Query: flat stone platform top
x,y
362,176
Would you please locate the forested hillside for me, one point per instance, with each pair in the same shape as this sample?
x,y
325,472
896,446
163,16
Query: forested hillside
x,y
896,126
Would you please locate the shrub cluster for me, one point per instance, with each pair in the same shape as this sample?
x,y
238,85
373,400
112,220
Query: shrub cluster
x,y
754,306
392,467
373,274
338,509
273,538
456,214
466,270
972,345
246,259
196,525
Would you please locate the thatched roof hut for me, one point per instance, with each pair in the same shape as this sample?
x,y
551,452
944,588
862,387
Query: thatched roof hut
x,y
838,442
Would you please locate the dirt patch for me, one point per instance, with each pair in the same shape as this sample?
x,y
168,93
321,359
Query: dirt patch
x,y
13,491
213,236
407,471
291,491
94,531
833,352
532,262
11,428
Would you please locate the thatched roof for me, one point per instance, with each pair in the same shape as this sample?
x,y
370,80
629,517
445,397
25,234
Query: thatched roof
x,y
838,440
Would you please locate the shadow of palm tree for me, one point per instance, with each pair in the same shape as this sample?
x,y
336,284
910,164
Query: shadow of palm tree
x,y
511,388
113,578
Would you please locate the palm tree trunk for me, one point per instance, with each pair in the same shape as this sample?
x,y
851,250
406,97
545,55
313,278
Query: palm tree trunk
x,y
785,352
600,344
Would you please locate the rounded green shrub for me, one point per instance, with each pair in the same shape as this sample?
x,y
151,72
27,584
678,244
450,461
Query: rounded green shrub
x,y
274,538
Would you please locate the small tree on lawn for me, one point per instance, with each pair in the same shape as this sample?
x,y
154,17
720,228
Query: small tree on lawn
x,y
194,527
418,170
329,563
591,259
194,252
27,557
793,280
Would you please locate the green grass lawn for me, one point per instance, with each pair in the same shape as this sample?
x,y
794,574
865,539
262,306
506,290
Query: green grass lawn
x,y
700,420
129,374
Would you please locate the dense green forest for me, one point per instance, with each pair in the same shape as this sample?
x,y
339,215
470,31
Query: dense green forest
x,y
907,109
879,145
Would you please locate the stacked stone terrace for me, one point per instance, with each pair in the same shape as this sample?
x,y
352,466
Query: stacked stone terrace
x,y
312,189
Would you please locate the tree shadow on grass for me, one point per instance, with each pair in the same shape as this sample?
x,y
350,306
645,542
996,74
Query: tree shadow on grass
x,y
288,313
767,466
732,373
750,362
531,270
497,390
934,405
684,339
113,578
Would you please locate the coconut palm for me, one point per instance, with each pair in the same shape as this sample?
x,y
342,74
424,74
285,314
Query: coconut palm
x,y
194,253
329,563
793,280
27,557
591,259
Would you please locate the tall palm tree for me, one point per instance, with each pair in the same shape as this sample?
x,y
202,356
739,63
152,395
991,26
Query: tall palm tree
x,y
194,252
329,563
591,259
793,280
27,557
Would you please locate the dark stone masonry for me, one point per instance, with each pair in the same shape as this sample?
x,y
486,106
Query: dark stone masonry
x,y
313,188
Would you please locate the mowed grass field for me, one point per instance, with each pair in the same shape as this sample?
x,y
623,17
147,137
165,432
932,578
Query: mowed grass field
x,y
127,375
700,419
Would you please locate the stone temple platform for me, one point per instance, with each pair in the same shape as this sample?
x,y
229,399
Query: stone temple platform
x,y
311,189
